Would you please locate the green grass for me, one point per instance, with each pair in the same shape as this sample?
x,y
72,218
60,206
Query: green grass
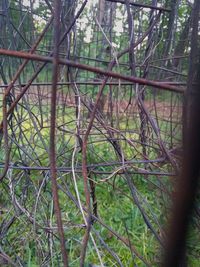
x,y
115,205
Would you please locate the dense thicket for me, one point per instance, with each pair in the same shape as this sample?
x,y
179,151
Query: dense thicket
x,y
91,129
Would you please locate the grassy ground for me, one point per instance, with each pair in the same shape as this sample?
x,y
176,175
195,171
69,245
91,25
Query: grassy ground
x,y
24,238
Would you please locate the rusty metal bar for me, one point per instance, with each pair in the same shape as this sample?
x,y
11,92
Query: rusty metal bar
x,y
52,150
78,170
106,73
88,83
141,5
